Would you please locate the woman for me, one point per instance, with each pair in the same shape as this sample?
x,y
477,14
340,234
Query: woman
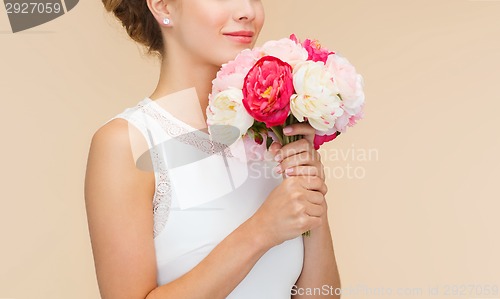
x,y
246,244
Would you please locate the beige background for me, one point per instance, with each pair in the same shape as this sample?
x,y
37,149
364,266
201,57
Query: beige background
x,y
420,210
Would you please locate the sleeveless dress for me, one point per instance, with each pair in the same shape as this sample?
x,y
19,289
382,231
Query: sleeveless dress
x,y
202,194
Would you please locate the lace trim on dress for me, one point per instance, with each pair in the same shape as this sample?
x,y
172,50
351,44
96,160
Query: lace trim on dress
x,y
162,199
194,138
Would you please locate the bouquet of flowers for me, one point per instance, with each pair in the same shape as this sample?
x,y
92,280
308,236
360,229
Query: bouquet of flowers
x,y
283,82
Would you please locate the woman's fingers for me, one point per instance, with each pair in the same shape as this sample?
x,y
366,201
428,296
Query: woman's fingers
x,y
302,170
323,189
315,210
274,148
312,183
304,129
301,164
305,170
303,158
294,148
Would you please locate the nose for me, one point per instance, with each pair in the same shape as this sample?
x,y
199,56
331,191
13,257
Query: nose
x,y
245,10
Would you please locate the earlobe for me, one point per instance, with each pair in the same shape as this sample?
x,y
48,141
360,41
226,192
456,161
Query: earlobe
x,y
160,11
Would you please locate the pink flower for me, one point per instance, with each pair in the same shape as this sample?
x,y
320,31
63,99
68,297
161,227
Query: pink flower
x,y
349,83
354,118
255,145
346,120
314,49
341,122
286,50
320,139
350,86
233,73
267,89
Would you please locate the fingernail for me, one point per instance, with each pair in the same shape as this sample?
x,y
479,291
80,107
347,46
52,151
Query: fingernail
x,y
287,130
288,170
277,169
277,157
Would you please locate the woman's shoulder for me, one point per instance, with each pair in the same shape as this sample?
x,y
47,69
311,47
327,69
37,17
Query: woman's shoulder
x,y
115,129
118,125
117,133
129,113
116,147
112,137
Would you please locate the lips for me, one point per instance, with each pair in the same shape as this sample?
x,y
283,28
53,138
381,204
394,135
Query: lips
x,y
240,33
244,37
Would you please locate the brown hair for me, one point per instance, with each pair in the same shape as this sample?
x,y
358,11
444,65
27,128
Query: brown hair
x,y
139,22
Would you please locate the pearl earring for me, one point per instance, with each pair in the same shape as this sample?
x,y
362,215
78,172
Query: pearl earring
x,y
166,21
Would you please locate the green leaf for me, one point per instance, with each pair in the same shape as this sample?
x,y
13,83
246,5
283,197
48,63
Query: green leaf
x,y
269,141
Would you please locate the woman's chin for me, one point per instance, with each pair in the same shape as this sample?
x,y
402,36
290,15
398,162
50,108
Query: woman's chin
x,y
231,55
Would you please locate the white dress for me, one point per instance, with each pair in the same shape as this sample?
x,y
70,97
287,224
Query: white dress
x,y
202,194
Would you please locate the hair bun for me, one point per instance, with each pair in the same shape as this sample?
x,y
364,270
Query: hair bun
x,y
139,23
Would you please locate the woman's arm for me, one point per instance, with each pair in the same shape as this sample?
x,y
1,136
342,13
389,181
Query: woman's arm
x,y
320,267
119,209
320,276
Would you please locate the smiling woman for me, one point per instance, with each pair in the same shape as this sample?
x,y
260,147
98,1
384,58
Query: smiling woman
x,y
203,228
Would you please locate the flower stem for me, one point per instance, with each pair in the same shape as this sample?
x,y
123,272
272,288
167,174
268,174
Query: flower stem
x,y
278,130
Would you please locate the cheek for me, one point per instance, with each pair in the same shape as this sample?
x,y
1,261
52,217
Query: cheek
x,y
208,17
260,17
201,17
261,23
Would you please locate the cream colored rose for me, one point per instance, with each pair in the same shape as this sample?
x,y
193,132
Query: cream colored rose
x,y
226,108
316,97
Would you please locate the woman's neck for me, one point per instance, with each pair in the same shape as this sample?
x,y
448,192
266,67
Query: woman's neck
x,y
177,75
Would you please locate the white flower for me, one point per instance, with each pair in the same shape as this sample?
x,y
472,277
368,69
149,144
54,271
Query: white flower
x,y
285,49
226,109
316,97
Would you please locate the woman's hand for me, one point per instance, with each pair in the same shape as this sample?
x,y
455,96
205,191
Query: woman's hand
x,y
292,208
298,203
299,157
